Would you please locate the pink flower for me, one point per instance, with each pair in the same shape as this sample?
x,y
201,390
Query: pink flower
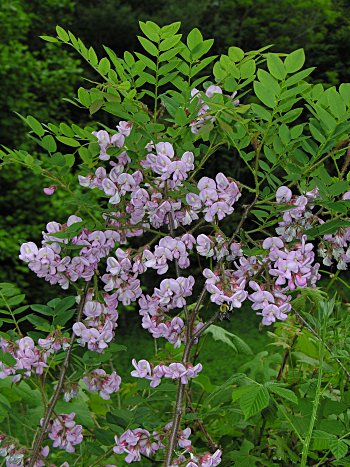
x,y
283,195
50,190
64,432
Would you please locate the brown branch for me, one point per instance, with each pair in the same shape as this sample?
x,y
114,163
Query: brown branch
x,y
285,358
38,440
177,415
346,163
178,411
247,210
211,443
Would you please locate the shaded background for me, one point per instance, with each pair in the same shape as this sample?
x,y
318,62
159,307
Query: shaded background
x,y
35,76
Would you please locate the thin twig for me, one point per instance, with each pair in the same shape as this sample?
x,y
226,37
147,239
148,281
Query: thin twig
x,y
178,411
37,442
285,358
247,210
206,326
211,443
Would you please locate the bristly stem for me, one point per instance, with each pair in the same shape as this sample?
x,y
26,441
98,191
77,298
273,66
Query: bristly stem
x,y
316,403
38,440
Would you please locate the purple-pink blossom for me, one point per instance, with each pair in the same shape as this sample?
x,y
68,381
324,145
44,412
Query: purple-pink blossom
x,y
64,432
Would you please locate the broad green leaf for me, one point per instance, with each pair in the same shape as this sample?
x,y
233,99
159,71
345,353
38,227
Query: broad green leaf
x,y
202,48
194,38
237,393
49,39
328,227
321,440
294,61
264,95
63,318
95,106
148,46
247,69
49,143
299,76
261,112
68,141
92,57
64,304
16,300
316,133
275,66
84,97
236,54
35,125
254,401
6,358
104,65
150,30
336,103
19,310
282,392
170,42
44,309
344,91
170,29
40,323
147,61
338,447
233,341
62,34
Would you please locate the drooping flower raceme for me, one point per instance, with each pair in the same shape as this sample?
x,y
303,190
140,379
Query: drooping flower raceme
x,y
175,371
137,442
53,263
64,432
203,115
98,380
98,326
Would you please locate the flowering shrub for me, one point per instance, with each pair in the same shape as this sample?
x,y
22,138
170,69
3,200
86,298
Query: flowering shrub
x,y
142,208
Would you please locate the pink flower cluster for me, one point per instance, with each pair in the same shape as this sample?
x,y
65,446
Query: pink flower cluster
x,y
14,457
298,219
203,115
64,432
137,442
274,303
98,380
169,249
179,371
28,358
154,309
205,460
54,342
106,141
218,247
150,203
216,197
336,247
54,264
116,183
121,276
293,268
170,168
225,287
97,329
172,292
